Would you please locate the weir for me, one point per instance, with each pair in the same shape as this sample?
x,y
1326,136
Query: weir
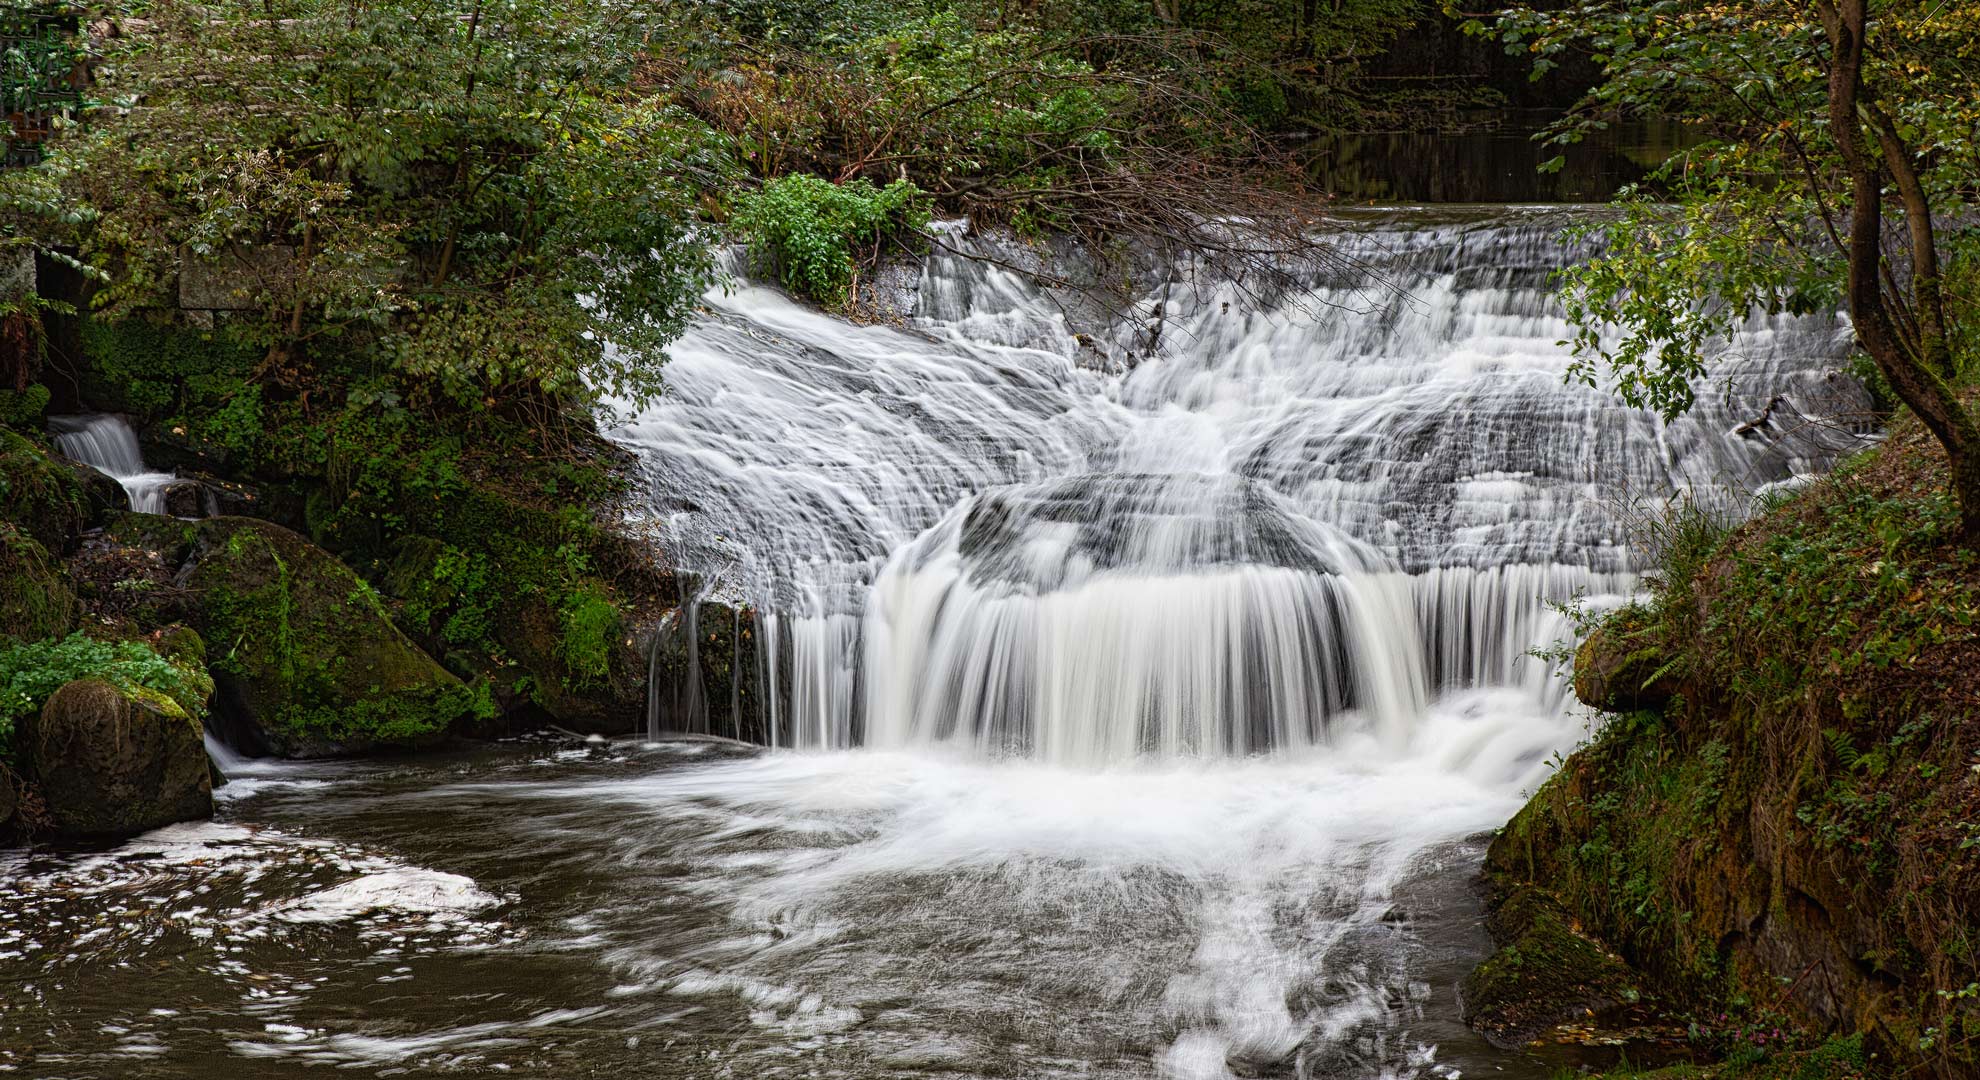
x,y
1216,528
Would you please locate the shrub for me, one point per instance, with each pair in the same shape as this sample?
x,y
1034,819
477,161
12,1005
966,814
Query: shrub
x,y
813,234
31,672
589,622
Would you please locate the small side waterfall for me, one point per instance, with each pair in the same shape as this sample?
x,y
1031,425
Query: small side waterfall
x,y
107,444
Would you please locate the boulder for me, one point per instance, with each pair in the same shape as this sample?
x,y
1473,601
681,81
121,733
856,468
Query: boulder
x,y
111,763
185,499
49,497
307,661
1622,667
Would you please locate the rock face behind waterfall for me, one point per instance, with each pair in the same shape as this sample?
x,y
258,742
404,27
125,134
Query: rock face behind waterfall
x,y
111,763
307,661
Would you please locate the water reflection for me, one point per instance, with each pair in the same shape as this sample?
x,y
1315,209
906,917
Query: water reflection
x,y
1496,161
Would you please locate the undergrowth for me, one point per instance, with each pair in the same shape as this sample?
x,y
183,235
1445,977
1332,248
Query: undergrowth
x,y
31,672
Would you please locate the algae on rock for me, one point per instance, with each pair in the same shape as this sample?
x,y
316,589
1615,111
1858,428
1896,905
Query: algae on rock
x,y
308,661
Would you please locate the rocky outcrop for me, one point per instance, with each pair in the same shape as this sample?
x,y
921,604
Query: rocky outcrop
x,y
1792,842
50,498
1546,973
110,762
1621,666
307,661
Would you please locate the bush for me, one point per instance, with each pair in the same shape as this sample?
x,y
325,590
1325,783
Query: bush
x,y
29,673
813,234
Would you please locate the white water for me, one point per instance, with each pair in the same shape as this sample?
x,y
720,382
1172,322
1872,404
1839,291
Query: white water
x,y
978,530
1174,667
107,444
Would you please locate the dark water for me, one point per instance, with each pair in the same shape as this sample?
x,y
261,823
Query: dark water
x,y
1495,160
688,910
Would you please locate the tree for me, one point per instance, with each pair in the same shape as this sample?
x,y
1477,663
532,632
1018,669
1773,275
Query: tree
x,y
469,192
1822,122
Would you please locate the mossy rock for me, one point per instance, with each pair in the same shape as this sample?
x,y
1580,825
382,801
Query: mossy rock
x,y
35,598
533,635
111,762
1545,973
1622,667
49,497
308,662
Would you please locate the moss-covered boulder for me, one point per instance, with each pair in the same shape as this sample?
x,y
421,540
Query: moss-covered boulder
x,y
49,497
1622,666
111,762
1546,972
308,662
35,598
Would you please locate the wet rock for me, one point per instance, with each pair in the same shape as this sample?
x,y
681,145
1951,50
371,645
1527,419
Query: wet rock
x,y
707,673
185,499
1545,973
307,661
1622,667
111,763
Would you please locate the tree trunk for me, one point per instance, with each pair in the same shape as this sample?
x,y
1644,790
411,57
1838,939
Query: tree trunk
x,y
1922,388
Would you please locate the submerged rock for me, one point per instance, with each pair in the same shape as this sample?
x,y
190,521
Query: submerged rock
x,y
112,763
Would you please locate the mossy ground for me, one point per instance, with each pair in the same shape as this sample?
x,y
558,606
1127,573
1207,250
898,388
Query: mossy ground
x,y
1793,842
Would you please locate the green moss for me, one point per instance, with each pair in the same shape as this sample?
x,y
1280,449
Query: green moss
x,y
42,496
35,599
590,625
309,652
1546,972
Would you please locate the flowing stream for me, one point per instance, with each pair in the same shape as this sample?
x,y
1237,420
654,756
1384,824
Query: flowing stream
x,y
107,444
1142,690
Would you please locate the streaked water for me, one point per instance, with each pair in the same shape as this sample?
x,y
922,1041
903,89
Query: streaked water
x,y
690,910
1200,528
107,444
1143,700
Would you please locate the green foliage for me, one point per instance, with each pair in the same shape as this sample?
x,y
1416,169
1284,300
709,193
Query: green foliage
x,y
196,381
417,185
24,408
814,235
32,671
1679,280
589,624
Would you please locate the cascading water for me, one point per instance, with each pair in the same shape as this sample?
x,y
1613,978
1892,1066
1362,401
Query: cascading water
x,y
107,444
1152,702
1357,498
1181,660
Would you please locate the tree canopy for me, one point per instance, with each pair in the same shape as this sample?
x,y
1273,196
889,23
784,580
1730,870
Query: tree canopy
x,y
1822,123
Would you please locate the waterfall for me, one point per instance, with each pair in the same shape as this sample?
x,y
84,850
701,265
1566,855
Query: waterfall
x,y
107,444
1209,528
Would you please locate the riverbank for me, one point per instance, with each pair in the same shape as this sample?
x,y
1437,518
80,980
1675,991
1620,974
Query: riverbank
x,y
1774,839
